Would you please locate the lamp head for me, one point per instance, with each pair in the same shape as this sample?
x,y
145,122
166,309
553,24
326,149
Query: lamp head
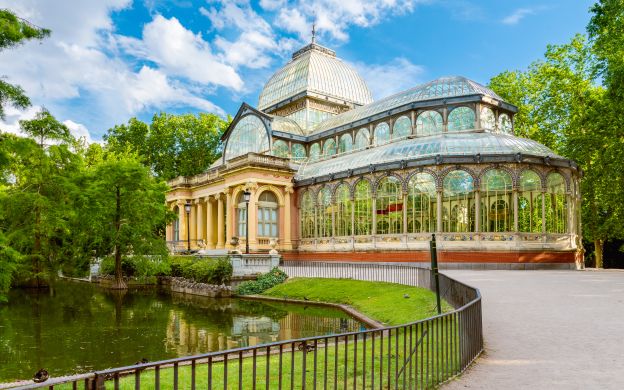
x,y
246,196
187,206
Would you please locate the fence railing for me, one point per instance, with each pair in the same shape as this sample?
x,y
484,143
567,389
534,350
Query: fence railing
x,y
418,355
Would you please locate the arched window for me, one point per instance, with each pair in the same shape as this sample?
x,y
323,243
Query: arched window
x,y
345,144
530,203
267,214
461,118
249,135
556,204
343,210
307,216
429,123
504,124
298,152
363,208
324,213
421,204
280,148
402,127
458,202
488,119
241,216
362,139
315,152
176,225
382,134
329,147
389,206
496,201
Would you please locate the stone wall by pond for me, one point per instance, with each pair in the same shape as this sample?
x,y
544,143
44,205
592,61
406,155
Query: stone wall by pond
x,y
185,286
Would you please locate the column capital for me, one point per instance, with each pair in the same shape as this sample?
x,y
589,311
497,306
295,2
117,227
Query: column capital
x,y
251,186
289,189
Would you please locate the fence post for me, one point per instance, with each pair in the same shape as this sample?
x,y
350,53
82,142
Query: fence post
x,y
434,268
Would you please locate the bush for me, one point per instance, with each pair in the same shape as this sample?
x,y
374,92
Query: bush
x,y
137,266
179,264
210,271
264,282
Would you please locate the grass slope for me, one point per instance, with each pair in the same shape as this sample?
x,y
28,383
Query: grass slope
x,y
384,302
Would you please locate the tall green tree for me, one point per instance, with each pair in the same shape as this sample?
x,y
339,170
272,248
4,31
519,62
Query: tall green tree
x,y
562,107
172,145
124,210
15,31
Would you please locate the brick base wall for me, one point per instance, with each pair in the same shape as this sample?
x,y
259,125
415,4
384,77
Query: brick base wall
x,y
443,257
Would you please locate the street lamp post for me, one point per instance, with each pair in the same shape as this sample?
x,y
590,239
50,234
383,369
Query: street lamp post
x,y
246,196
187,208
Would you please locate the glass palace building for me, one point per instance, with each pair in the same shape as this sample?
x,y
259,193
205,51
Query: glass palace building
x,y
334,175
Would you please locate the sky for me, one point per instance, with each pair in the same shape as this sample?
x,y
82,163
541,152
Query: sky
x,y
109,60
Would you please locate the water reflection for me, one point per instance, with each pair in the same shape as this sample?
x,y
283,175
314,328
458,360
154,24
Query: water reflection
x,y
78,327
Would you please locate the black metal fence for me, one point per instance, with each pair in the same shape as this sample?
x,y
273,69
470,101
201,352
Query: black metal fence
x,y
418,355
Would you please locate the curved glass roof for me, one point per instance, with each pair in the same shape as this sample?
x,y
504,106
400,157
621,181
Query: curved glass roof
x,y
447,144
315,69
440,88
279,123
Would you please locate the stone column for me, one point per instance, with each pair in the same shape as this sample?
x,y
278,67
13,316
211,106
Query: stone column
x,y
229,218
210,243
201,220
287,220
405,213
193,224
220,222
571,209
477,211
515,210
353,216
182,220
439,211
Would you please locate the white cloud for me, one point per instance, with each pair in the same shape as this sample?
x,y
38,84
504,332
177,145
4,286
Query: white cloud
x,y
334,17
272,5
516,16
78,130
14,115
391,77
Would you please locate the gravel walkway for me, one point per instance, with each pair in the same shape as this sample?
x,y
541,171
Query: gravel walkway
x,y
548,330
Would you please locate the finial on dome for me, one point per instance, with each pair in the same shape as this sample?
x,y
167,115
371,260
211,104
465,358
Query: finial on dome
x,y
314,32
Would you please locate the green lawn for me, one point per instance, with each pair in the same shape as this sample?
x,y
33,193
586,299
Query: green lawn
x,y
381,301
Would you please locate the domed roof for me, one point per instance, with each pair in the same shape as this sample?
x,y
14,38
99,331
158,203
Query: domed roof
x,y
447,144
444,87
316,70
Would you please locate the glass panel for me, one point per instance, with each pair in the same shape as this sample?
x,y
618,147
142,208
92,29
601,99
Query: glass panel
x,y
556,204
307,216
496,202
362,139
249,135
458,202
461,118
421,204
280,148
324,213
363,208
488,120
504,124
298,152
382,134
402,127
329,147
530,203
389,207
346,143
343,210
429,123
315,152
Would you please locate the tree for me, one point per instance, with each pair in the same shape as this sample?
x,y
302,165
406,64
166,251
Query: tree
x,y
172,145
124,209
562,107
14,31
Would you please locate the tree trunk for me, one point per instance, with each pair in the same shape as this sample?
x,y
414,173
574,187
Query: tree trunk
x,y
119,284
598,252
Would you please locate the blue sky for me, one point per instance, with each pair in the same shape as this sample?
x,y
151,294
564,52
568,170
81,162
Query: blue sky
x,y
109,60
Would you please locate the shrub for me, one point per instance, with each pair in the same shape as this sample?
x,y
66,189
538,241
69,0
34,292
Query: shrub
x,y
179,264
263,283
137,266
210,271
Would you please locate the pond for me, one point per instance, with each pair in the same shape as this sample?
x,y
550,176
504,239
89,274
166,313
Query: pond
x,y
78,327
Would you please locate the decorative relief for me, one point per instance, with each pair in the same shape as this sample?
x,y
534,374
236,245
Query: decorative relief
x,y
291,109
497,237
458,237
331,108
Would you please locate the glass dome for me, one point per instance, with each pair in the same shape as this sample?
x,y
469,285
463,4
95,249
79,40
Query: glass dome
x,y
315,69
249,135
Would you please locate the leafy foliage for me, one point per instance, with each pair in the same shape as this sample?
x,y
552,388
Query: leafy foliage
x,y
263,283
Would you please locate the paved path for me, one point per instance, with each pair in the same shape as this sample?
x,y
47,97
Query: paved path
x,y
548,330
